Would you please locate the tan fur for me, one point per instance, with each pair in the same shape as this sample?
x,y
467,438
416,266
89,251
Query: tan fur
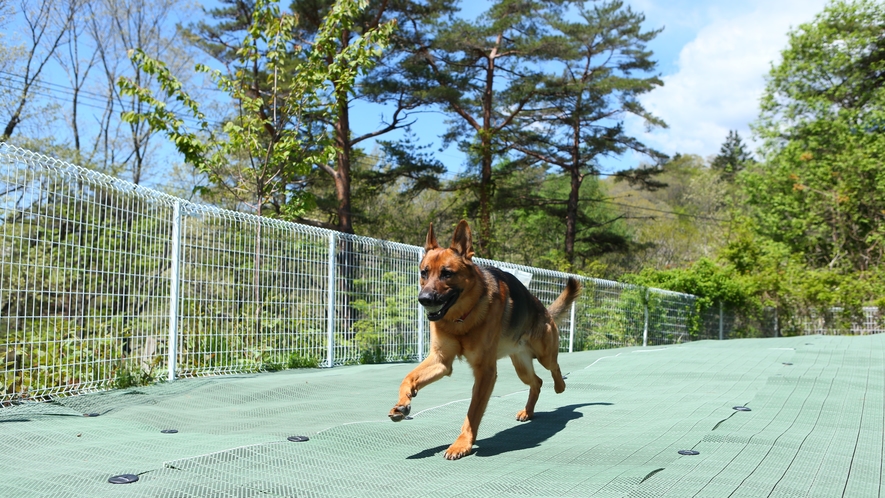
x,y
489,320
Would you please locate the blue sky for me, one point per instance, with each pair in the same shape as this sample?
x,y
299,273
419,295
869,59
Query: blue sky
x,y
713,56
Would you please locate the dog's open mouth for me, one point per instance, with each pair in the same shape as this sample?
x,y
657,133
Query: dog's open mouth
x,y
437,311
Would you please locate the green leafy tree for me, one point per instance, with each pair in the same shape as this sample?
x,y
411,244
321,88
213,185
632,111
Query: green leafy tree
x,y
821,189
577,117
380,85
376,83
255,155
265,142
531,202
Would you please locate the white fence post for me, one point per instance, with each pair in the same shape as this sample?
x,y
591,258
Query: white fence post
x,y
776,331
175,282
420,317
571,330
330,353
645,326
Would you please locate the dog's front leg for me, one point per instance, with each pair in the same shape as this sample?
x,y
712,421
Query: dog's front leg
x,y
433,368
484,382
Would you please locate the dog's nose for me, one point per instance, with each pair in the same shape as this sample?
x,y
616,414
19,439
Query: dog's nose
x,y
429,298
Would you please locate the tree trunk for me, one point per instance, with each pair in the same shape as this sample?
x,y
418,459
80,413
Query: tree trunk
x,y
342,172
571,213
15,119
346,258
484,245
571,216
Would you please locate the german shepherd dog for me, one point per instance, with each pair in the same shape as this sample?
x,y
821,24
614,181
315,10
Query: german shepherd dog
x,y
481,315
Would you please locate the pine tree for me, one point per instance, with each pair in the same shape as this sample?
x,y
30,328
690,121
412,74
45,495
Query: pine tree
x,y
577,116
482,73
733,157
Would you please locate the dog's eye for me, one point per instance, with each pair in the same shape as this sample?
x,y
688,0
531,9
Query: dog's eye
x,y
445,273
423,273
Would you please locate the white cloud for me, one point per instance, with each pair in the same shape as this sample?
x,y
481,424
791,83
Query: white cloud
x,y
720,77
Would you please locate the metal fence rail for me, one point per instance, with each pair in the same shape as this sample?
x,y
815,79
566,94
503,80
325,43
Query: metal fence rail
x,y
105,284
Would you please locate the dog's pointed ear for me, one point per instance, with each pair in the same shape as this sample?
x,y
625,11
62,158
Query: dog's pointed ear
x,y
462,243
430,243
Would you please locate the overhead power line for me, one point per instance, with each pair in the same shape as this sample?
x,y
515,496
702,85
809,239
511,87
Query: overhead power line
x,y
57,91
696,216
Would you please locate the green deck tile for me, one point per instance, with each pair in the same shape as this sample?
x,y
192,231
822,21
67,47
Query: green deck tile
x,y
815,429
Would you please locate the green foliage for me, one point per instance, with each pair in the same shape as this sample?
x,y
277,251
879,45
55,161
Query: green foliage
x,y
710,282
134,376
831,65
821,189
531,215
578,114
577,117
714,285
265,146
298,361
823,195
482,73
675,226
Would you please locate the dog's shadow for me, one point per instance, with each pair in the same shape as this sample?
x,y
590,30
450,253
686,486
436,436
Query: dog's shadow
x,y
542,427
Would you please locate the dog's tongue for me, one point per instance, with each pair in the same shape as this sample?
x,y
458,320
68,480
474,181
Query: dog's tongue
x,y
434,313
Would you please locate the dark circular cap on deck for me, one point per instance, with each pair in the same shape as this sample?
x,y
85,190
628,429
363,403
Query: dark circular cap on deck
x,y
689,452
787,363
91,414
169,431
123,479
742,408
298,439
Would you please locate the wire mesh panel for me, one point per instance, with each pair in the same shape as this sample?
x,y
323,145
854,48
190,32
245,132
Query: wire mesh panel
x,y
253,293
83,278
376,301
715,321
105,283
671,317
609,315
838,321
730,323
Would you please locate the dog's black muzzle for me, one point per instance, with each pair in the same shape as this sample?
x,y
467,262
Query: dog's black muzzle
x,y
437,305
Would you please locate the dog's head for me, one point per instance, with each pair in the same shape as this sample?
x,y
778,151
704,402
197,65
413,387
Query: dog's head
x,y
445,273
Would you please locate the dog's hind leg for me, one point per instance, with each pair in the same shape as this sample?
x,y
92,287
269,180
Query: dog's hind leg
x,y
553,365
522,362
547,356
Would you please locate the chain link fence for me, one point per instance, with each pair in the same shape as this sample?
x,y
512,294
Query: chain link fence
x,y
106,284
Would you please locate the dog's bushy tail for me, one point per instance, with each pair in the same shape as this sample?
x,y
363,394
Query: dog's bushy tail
x,y
565,300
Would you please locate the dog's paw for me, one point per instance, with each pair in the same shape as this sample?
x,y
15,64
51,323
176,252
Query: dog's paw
x,y
399,412
458,449
523,416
